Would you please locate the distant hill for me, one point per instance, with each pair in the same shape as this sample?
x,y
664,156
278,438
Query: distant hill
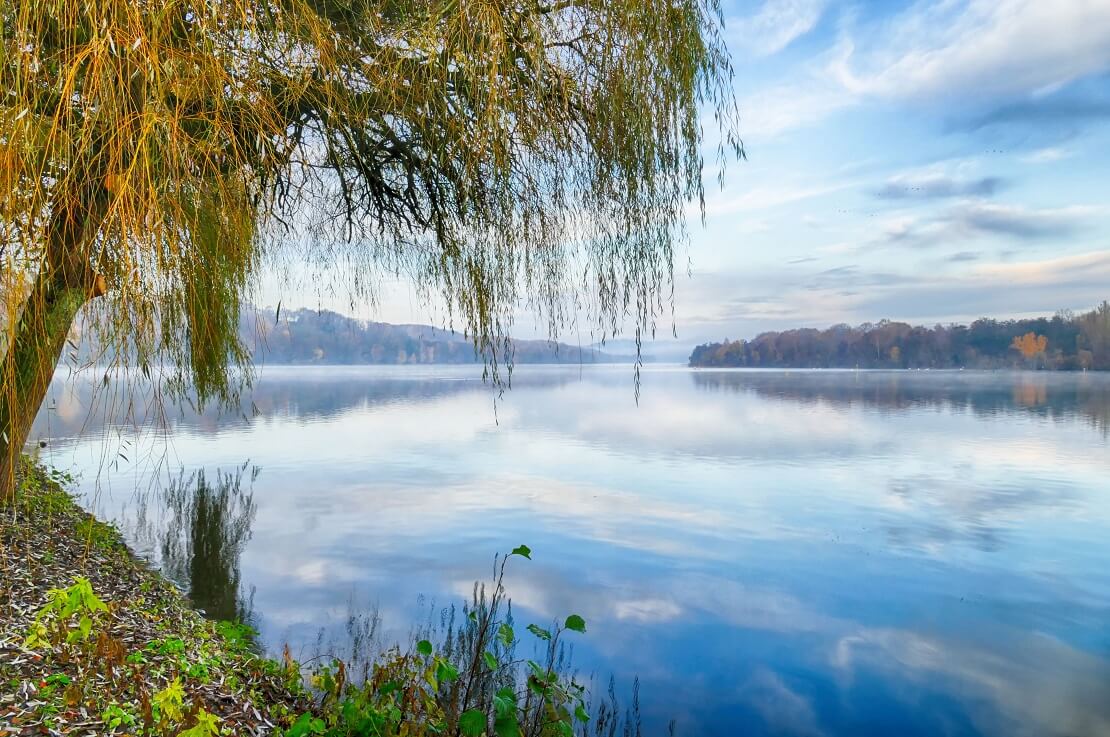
x,y
1064,342
322,337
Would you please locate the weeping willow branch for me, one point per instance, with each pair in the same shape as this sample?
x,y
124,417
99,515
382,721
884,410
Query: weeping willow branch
x,y
500,154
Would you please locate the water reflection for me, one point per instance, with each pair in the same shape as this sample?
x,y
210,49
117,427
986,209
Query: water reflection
x,y
1052,395
211,525
90,402
833,553
197,539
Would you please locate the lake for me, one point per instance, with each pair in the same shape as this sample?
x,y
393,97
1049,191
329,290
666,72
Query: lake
x,y
769,552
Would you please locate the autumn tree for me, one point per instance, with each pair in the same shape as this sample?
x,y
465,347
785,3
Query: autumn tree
x,y
1030,345
157,155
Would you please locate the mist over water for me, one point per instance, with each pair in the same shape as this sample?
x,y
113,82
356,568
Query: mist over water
x,y
803,553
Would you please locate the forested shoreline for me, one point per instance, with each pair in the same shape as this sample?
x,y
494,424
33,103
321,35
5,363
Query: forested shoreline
x,y
322,337
1066,341
306,336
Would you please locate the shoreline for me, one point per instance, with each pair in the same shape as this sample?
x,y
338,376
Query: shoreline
x,y
136,657
95,641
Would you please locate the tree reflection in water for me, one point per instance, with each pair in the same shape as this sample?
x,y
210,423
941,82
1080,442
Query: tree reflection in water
x,y
210,523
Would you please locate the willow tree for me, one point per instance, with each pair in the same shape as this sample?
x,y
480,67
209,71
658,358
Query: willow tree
x,y
158,155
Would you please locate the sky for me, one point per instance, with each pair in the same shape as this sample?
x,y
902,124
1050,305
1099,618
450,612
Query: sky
x,y
918,161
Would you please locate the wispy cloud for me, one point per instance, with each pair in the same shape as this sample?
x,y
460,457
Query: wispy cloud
x,y
763,197
1052,111
1047,155
770,112
1020,222
936,186
986,48
855,293
1074,268
784,710
1045,285
974,219
851,277
1001,59
777,24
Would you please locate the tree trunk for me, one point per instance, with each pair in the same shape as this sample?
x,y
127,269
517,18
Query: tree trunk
x,y
29,366
66,280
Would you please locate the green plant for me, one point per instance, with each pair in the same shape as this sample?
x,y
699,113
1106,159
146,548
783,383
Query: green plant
x,y
59,477
198,670
238,636
40,491
306,724
168,704
207,725
53,621
47,689
96,533
115,716
168,646
470,686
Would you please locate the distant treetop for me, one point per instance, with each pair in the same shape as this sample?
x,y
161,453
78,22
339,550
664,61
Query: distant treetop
x,y
1064,341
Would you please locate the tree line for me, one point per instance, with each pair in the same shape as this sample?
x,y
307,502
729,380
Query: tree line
x,y
323,337
1066,341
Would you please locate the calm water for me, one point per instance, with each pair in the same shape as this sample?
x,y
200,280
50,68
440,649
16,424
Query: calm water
x,y
802,553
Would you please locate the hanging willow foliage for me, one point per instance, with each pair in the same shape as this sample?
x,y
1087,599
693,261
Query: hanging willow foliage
x,y
501,154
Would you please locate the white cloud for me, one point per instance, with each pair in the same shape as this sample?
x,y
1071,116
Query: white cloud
x,y
646,610
1047,155
764,197
973,51
1040,686
776,110
784,710
777,24
983,48
1080,266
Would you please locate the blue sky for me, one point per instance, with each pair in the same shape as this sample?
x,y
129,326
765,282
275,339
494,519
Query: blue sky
x,y
928,162
923,161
